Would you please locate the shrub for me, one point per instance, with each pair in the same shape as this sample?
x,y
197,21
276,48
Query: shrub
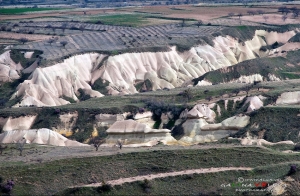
x,y
187,94
104,188
297,147
146,186
7,188
23,40
159,107
178,131
63,43
82,95
293,170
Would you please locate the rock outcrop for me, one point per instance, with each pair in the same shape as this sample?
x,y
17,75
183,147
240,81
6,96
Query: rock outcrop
x,y
9,70
260,142
232,123
145,118
19,123
199,131
289,98
103,120
137,133
67,123
38,136
255,103
47,85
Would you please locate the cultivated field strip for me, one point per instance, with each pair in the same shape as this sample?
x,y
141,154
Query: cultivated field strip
x,y
233,22
112,38
88,26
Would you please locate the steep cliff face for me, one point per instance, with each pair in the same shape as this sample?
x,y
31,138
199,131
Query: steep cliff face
x,y
49,86
46,86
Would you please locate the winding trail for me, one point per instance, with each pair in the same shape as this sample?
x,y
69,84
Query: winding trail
x,y
162,175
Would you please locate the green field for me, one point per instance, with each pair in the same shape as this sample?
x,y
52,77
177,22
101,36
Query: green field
x,y
12,11
121,19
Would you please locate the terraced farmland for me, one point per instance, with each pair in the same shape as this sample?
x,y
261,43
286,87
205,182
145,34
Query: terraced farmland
x,y
101,38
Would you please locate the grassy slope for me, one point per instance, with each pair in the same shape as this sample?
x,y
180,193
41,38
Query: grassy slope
x,y
264,66
130,103
55,176
196,184
121,19
280,123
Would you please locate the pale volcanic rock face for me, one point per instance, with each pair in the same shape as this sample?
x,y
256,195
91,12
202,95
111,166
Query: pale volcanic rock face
x,y
19,123
9,70
289,98
232,123
38,136
108,119
47,86
137,133
255,103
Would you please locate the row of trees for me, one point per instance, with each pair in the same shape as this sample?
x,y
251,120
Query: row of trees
x,y
23,40
64,26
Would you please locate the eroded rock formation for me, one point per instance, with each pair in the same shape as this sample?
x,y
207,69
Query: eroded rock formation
x,y
38,136
136,133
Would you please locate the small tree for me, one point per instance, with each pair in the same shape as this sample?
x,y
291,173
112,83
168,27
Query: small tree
x,y
282,9
183,22
266,18
295,13
50,41
2,148
209,98
63,43
20,145
251,12
293,169
240,15
120,143
235,91
284,17
199,23
187,94
81,28
23,40
97,143
230,14
247,88
297,147
260,12
63,27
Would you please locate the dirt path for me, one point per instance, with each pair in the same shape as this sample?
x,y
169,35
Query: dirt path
x,y
162,175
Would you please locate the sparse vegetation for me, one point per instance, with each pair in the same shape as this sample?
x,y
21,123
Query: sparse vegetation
x,y
272,123
23,40
63,43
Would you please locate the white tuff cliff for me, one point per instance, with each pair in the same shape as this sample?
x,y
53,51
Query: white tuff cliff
x,y
47,86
